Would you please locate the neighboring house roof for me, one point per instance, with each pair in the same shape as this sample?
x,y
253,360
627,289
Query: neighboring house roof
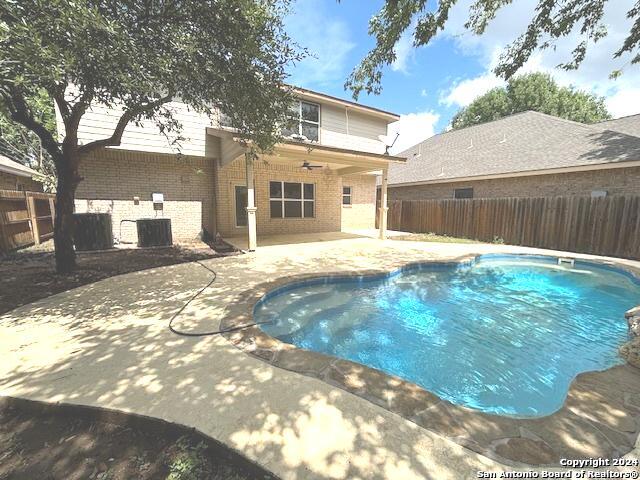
x,y
523,142
629,125
14,168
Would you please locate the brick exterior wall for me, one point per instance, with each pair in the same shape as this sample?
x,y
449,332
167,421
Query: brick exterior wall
x,y
11,182
330,216
199,196
619,181
112,178
361,214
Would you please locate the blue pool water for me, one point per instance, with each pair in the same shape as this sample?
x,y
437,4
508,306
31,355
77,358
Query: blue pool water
x,y
503,334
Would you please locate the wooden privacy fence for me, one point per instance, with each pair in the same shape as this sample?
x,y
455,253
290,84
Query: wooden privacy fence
x,y
602,226
25,218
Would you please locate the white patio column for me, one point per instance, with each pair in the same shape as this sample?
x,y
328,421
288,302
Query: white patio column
x,y
382,219
251,202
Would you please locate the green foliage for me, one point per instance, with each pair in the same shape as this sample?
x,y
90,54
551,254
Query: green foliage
x,y
225,54
189,462
552,20
533,91
21,144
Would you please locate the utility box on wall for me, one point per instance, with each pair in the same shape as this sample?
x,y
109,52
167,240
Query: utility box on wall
x,y
158,201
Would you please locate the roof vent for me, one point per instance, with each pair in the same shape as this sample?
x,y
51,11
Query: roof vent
x,y
504,138
470,145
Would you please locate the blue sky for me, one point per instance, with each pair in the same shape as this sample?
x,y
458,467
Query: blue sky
x,y
428,85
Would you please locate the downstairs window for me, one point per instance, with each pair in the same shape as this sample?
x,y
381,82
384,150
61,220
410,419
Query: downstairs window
x,y
292,200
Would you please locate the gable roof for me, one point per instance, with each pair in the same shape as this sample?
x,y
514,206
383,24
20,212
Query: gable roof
x,y
523,142
14,168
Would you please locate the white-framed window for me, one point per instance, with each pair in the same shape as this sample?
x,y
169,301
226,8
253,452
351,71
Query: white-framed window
x,y
240,201
292,200
346,195
305,120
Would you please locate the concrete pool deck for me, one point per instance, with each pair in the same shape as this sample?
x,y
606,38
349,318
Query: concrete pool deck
x,y
107,345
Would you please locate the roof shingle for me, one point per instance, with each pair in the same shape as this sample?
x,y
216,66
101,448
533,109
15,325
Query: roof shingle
x,y
527,141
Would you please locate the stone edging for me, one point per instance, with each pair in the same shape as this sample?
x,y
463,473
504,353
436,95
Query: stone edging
x,y
600,416
630,351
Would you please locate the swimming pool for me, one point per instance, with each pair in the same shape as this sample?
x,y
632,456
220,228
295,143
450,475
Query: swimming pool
x,y
501,334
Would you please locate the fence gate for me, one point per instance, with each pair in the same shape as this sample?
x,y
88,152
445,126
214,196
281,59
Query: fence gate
x,y
26,218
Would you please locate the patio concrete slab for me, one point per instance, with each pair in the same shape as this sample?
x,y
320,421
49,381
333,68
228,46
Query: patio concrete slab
x,y
107,344
241,242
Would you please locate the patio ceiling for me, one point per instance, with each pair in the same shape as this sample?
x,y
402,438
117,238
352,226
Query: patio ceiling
x,y
342,161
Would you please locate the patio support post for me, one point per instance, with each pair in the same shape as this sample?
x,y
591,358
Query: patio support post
x,y
382,223
251,202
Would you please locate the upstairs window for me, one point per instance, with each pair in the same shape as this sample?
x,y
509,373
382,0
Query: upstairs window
x,y
463,193
292,200
346,195
305,120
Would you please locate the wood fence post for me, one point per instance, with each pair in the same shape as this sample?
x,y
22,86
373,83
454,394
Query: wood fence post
x,y
52,211
31,208
4,241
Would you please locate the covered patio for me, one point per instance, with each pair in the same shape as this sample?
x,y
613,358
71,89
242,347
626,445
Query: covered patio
x,y
333,162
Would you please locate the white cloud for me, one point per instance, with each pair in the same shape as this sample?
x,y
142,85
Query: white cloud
x,y
621,95
413,128
327,39
624,102
404,51
466,91
424,93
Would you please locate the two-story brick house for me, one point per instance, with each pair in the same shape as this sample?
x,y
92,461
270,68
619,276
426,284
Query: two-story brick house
x,y
322,178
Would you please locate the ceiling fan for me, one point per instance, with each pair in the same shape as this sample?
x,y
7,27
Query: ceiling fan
x,y
308,166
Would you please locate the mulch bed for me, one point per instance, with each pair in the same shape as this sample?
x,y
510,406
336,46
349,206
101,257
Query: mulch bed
x,y
28,275
64,442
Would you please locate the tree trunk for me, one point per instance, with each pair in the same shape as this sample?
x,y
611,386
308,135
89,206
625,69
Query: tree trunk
x,y
68,180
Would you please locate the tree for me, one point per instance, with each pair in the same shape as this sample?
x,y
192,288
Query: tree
x,y
533,91
23,145
138,55
553,19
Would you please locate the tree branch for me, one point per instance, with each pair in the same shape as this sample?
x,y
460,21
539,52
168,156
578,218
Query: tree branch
x,y
63,106
76,112
21,113
115,139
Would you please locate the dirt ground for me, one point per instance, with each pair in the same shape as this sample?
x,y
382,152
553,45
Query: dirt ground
x,y
27,275
54,442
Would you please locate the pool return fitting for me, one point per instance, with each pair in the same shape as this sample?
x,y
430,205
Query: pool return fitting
x,y
196,295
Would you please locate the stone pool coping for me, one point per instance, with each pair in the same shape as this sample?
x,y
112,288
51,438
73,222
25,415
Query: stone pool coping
x,y
599,418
